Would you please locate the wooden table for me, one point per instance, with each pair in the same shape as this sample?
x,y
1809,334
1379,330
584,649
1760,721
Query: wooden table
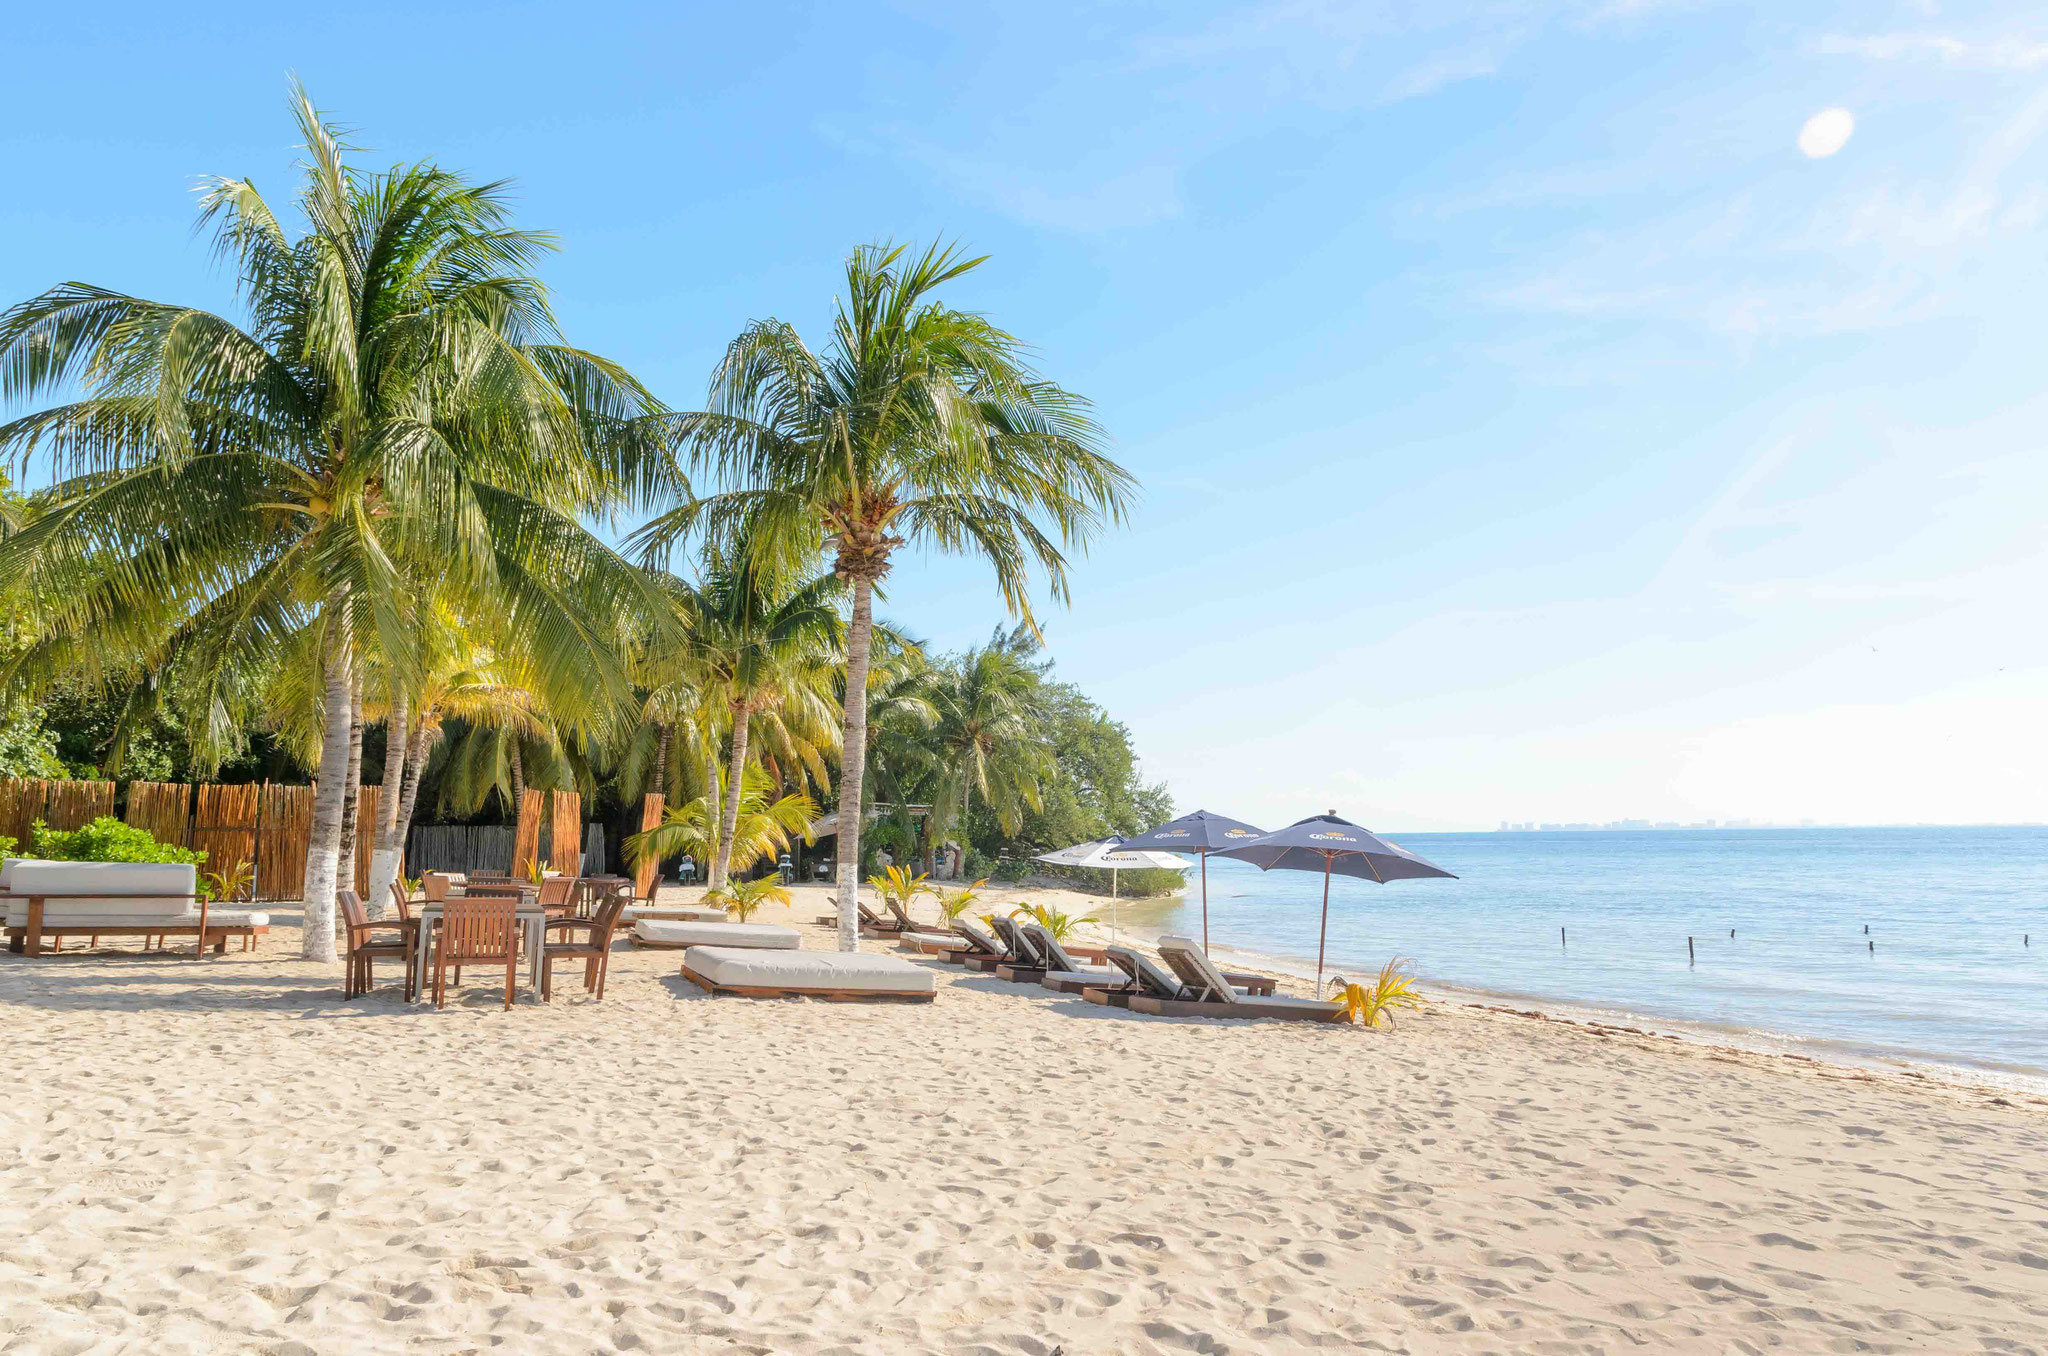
x,y
532,925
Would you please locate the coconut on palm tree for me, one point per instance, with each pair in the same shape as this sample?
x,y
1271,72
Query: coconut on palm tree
x,y
919,424
398,408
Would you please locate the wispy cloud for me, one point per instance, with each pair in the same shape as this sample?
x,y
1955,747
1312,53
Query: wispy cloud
x,y
2002,53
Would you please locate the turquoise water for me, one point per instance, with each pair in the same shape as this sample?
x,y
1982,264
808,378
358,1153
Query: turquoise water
x,y
1948,979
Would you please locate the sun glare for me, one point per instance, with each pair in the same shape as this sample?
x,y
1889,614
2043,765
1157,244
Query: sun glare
x,y
1826,132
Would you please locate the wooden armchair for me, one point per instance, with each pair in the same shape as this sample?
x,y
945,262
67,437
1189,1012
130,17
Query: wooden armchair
x,y
593,947
477,932
365,948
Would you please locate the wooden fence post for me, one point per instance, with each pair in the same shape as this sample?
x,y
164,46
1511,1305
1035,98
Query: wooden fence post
x,y
651,807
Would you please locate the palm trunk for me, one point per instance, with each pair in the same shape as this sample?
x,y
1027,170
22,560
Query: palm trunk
x,y
384,857
347,853
853,759
417,750
711,794
518,781
729,814
661,740
316,932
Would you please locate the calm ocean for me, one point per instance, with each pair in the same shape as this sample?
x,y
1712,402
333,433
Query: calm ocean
x,y
1949,980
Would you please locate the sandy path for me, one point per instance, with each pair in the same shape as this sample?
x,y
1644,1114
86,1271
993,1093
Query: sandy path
x,y
225,1157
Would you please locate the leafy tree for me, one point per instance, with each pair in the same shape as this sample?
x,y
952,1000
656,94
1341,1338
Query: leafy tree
x,y
918,425
398,409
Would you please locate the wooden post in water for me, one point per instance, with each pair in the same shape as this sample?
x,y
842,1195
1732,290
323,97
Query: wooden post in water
x,y
1560,939
1690,958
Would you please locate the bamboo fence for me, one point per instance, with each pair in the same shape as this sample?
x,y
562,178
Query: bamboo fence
x,y
566,851
59,804
650,817
526,837
161,809
270,828
224,828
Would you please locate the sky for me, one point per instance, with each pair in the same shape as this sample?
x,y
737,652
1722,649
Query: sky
x,y
1573,412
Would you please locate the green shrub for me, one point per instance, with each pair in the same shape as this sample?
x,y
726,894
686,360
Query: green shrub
x,y
107,839
976,864
1011,870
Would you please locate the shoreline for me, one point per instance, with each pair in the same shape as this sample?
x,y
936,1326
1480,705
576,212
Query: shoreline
x,y
1755,1040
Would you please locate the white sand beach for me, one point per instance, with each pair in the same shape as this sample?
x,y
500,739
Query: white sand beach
x,y
223,1156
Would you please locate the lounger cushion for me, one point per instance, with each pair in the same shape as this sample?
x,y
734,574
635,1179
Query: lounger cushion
x,y
841,970
944,940
1191,961
758,936
979,938
70,891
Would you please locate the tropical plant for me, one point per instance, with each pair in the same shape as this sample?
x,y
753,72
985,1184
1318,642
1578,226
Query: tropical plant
x,y
106,839
953,903
1060,925
398,410
919,425
1366,1004
895,885
741,898
763,828
233,881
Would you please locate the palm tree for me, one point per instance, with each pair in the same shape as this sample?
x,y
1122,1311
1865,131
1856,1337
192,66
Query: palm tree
x,y
764,641
919,424
399,408
987,741
763,827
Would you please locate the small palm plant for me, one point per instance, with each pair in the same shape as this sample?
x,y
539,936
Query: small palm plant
x,y
895,885
1366,1004
1060,926
741,898
953,903
231,881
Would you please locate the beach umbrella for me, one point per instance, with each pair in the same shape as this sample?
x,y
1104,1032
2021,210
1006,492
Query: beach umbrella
x,y
1328,844
1200,834
1108,854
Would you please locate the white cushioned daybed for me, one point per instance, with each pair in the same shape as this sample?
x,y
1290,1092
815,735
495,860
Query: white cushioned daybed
x,y
810,974
682,913
49,901
752,936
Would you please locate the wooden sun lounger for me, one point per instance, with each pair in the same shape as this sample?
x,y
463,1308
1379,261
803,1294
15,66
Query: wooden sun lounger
x,y
1212,995
984,948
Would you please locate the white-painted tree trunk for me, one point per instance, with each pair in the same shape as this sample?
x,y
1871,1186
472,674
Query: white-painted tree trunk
x,y
316,938
729,812
853,759
387,844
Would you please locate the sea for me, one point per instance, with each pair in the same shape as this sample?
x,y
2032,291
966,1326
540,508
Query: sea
x,y
1907,946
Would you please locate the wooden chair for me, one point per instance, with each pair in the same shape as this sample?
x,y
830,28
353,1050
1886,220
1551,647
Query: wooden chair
x,y
594,948
437,887
558,896
477,932
365,949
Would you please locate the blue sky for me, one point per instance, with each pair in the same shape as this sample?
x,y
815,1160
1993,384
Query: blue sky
x,y
1529,429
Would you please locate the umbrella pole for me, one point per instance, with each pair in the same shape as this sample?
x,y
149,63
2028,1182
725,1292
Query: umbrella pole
x,y
1205,898
1325,931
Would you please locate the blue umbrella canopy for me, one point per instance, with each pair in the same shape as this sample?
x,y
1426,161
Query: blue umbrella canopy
x,y
1199,834
1325,841
1328,844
